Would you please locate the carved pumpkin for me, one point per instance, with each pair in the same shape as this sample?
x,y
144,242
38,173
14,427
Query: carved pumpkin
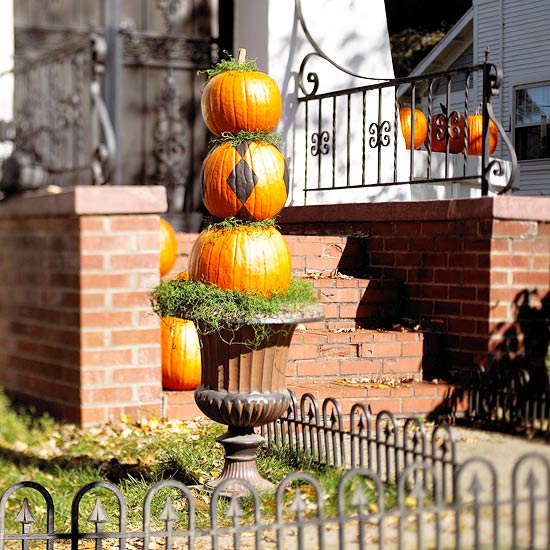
x,y
243,257
168,247
439,132
475,135
181,356
237,100
420,126
248,181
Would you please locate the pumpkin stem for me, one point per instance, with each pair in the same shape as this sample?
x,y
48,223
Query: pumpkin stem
x,y
241,56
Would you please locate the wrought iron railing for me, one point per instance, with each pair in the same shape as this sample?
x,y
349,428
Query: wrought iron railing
x,y
354,138
491,511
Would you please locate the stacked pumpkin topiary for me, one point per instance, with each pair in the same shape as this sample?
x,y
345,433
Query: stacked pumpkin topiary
x,y
244,178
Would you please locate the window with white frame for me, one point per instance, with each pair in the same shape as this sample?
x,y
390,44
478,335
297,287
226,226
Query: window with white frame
x,y
532,122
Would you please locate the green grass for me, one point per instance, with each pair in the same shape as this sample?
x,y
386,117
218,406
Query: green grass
x,y
134,456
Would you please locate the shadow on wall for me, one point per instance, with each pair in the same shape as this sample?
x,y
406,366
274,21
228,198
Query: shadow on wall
x,y
512,393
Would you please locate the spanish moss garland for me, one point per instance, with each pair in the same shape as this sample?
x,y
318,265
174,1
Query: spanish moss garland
x,y
213,309
230,64
227,224
244,135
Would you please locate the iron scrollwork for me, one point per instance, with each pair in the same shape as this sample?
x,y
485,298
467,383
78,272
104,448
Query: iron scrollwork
x,y
380,134
320,143
495,168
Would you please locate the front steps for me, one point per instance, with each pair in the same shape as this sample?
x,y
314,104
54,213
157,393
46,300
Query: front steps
x,y
381,366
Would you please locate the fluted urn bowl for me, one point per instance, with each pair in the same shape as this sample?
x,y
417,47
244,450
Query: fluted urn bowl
x,y
244,386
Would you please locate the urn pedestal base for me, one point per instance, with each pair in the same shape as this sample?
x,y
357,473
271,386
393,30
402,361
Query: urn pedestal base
x,y
241,412
240,463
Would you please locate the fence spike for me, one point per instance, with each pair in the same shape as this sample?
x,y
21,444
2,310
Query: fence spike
x,y
98,514
168,513
24,515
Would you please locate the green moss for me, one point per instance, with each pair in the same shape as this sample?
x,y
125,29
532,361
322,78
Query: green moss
x,y
230,64
227,224
243,135
215,309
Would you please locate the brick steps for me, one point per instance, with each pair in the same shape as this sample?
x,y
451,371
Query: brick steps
x,y
330,363
409,399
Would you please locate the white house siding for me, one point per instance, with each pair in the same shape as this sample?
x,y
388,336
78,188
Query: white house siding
x,y
518,35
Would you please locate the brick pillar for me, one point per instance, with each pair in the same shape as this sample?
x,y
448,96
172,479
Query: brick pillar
x,y
77,335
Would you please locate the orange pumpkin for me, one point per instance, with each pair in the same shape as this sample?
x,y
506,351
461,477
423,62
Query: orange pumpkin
x,y
248,181
475,135
168,247
181,356
241,100
439,135
243,257
420,126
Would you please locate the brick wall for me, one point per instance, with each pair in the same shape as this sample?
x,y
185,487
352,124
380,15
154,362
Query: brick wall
x,y
77,336
462,263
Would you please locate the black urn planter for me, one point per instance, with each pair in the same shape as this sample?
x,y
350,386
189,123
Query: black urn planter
x,y
244,387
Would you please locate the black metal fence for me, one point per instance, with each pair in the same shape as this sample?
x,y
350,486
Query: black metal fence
x,y
399,487
509,399
299,514
381,443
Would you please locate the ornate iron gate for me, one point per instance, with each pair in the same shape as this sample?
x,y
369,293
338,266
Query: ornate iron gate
x,y
109,91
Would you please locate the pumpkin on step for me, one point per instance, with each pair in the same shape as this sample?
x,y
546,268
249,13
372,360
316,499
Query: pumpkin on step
x,y
420,126
242,257
475,135
447,129
181,357
248,181
168,247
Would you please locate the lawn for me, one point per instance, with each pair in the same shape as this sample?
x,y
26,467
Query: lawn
x,y
133,456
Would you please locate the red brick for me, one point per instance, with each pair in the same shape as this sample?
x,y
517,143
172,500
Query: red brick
x,y
381,349
92,261
135,223
106,319
360,367
317,368
392,405
303,352
93,223
107,395
134,261
514,228
90,281
134,337
106,357
130,299
530,279
420,404
402,365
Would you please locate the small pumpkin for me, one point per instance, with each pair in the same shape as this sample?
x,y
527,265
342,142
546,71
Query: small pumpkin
x,y
181,356
440,134
420,126
241,257
241,98
168,247
475,135
248,181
